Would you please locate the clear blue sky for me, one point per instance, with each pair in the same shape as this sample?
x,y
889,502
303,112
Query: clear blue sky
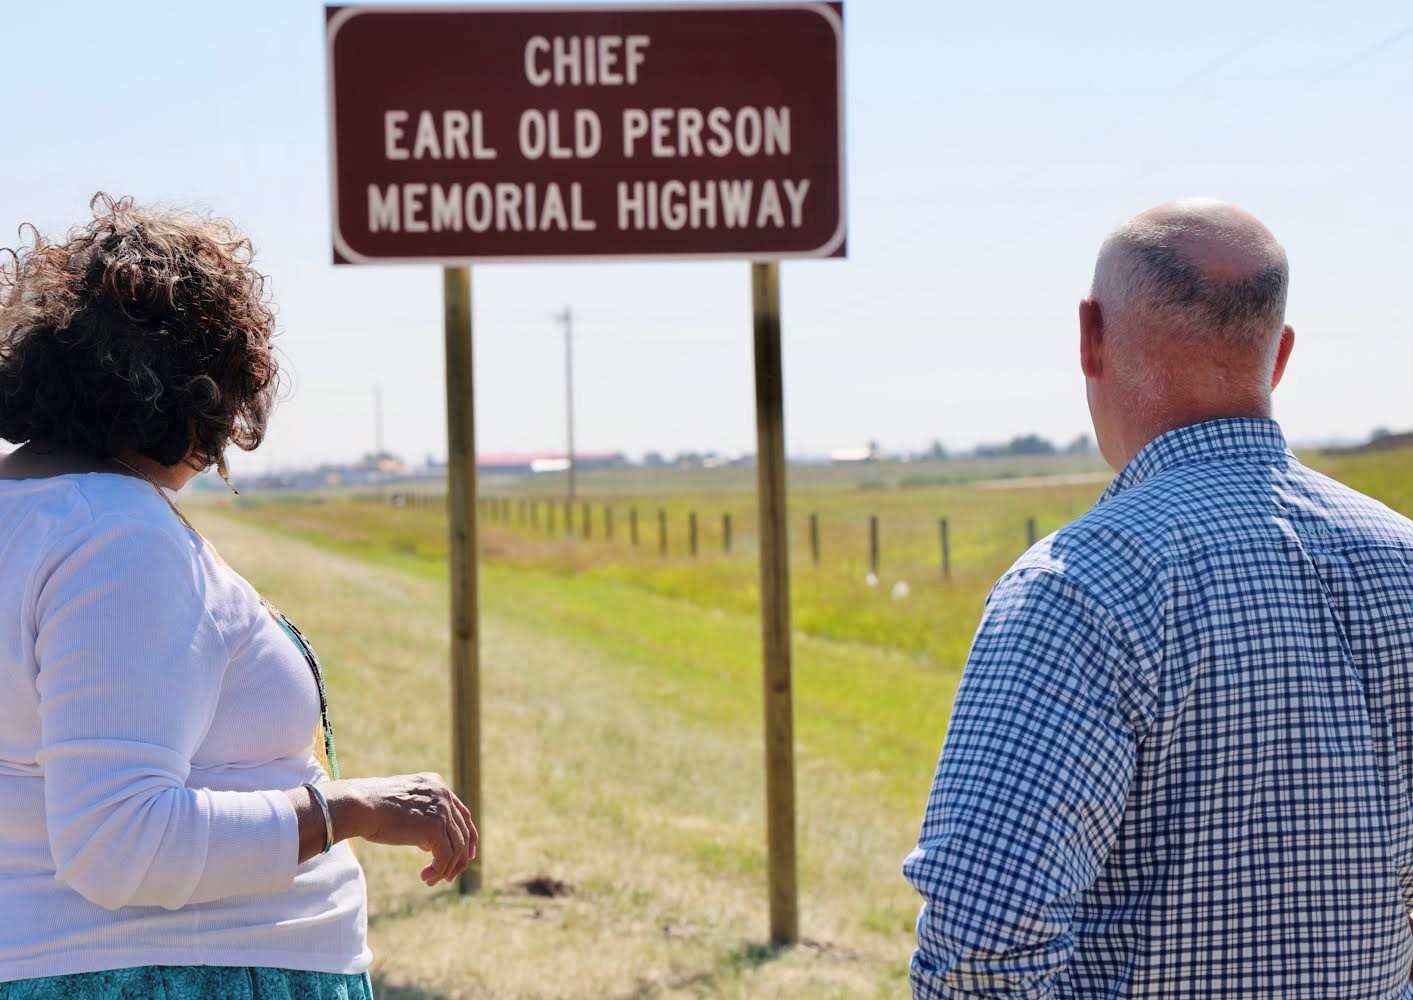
x,y
990,147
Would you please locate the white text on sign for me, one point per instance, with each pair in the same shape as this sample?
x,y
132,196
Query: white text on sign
x,y
639,133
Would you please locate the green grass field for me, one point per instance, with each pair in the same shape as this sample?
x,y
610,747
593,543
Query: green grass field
x,y
622,723
987,526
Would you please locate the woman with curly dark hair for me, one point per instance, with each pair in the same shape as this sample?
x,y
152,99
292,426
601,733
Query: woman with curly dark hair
x,y
172,823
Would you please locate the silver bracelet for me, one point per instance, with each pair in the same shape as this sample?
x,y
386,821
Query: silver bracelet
x,y
318,797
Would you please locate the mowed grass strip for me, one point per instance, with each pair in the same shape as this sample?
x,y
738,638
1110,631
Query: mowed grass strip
x,y
931,619
623,752
908,607
622,758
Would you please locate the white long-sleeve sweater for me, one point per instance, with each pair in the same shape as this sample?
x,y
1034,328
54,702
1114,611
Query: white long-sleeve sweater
x,y
151,715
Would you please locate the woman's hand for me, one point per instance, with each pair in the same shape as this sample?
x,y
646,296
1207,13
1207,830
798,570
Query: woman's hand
x,y
419,810
412,810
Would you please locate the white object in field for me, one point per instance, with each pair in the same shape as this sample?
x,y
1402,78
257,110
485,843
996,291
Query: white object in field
x,y
901,590
871,580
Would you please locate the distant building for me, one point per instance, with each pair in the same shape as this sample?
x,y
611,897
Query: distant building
x,y
386,466
533,463
853,456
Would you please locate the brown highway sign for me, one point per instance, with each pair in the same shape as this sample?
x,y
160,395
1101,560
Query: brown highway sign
x,y
642,131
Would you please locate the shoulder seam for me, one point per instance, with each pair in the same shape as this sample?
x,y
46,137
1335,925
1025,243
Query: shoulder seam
x,y
1089,599
98,518
42,559
1106,620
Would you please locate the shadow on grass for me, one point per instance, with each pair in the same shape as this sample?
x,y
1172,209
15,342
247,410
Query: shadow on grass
x,y
748,957
382,990
754,954
745,958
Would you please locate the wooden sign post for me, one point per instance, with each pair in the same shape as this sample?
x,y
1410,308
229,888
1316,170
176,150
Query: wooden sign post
x,y
775,605
465,597
684,131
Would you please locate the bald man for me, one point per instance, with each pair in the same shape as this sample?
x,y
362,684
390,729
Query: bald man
x,y
1180,763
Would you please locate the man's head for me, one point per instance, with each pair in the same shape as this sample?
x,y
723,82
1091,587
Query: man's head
x,y
1185,322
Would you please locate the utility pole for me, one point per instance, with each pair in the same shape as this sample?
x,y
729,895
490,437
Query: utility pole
x,y
378,436
567,318
378,419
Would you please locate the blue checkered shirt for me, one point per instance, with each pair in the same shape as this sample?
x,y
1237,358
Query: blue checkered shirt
x,y
1179,761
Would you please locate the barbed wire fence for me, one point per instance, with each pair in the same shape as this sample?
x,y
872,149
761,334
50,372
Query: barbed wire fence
x,y
600,523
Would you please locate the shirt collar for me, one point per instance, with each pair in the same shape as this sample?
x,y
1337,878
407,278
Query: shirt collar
x,y
1226,438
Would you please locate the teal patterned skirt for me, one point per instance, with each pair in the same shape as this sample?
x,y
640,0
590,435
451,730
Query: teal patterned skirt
x,y
191,982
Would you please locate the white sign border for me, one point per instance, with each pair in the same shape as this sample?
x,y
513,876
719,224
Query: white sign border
x,y
346,14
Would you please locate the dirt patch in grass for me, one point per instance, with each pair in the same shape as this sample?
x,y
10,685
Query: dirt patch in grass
x,y
544,887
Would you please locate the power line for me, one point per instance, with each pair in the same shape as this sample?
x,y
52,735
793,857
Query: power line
x,y
567,318
1390,40
1038,166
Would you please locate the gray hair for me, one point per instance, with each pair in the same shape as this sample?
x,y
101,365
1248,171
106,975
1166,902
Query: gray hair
x,y
1149,287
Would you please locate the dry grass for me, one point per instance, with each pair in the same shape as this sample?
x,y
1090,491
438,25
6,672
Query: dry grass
x,y
602,774
622,747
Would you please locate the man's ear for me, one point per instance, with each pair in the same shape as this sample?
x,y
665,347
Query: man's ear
x,y
1283,354
1091,339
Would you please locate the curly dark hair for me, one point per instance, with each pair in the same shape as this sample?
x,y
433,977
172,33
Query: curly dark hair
x,y
146,330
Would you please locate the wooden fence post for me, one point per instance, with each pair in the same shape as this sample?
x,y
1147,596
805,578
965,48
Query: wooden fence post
x,y
946,549
873,544
726,533
1029,531
692,533
633,525
661,531
814,538
588,516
